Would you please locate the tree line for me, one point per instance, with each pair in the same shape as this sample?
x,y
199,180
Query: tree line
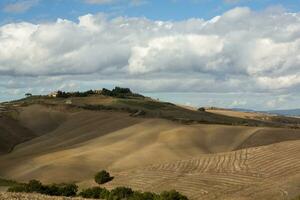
x,y
102,177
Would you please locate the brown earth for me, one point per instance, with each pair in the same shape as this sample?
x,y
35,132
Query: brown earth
x,y
203,161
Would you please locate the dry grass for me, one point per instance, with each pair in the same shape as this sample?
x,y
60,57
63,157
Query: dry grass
x,y
87,141
200,160
244,115
269,172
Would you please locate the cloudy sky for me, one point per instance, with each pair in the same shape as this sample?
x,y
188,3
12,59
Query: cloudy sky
x,y
227,53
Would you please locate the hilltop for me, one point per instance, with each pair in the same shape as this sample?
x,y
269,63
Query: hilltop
x,y
50,110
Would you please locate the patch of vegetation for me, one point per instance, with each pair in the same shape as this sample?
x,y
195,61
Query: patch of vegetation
x,y
102,177
119,93
120,193
95,193
172,195
104,107
62,94
10,183
202,109
144,196
150,105
116,92
68,190
125,193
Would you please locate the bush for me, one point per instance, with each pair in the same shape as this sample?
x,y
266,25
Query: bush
x,y
34,186
5,182
172,195
17,188
201,109
143,196
95,193
120,93
120,193
119,90
68,190
51,190
102,177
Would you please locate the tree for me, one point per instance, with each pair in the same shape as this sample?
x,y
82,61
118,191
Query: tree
x,y
34,186
201,109
102,177
28,94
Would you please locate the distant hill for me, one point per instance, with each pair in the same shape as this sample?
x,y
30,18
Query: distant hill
x,y
288,112
292,112
243,110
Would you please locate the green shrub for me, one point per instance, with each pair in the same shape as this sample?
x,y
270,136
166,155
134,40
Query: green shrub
x,y
119,93
5,182
102,177
34,186
18,188
95,193
51,190
31,186
120,193
172,195
201,109
143,196
68,190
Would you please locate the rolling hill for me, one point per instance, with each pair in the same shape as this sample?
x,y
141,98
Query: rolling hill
x,y
150,145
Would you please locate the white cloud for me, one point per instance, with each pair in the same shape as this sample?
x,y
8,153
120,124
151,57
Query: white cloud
x,y
20,6
100,1
131,2
231,1
239,51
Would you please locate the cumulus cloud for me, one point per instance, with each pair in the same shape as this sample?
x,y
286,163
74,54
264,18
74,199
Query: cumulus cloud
x,y
20,6
239,51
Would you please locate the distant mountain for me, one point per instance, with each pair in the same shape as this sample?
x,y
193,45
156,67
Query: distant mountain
x,y
242,110
291,112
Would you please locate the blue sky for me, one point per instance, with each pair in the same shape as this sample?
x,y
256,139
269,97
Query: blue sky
x,y
45,10
225,53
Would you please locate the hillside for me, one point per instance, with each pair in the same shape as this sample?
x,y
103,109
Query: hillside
x,y
18,126
269,172
201,154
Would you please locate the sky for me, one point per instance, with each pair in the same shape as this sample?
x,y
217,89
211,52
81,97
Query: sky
x,y
224,53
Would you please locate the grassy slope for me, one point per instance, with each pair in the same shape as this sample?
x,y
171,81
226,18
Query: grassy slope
x,y
86,141
158,109
268,172
12,133
74,143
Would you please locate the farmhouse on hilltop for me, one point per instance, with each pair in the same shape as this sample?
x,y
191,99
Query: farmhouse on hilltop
x,y
53,94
